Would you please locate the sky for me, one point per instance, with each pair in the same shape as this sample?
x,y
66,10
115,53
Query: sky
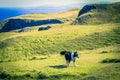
x,y
37,3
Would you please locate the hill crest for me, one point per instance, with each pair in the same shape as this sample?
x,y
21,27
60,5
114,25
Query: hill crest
x,y
99,14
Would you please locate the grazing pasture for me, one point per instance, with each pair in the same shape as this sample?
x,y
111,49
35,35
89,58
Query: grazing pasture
x,y
35,55
30,54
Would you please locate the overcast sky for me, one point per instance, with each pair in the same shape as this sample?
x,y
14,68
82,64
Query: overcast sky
x,y
37,3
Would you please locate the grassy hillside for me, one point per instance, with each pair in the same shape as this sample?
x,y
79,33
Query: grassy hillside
x,y
31,20
59,37
99,14
33,54
52,67
63,16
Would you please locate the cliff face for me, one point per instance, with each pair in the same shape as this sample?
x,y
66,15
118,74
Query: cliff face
x,y
13,24
99,14
86,9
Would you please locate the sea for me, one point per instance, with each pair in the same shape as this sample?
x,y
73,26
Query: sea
x,y
8,12
12,12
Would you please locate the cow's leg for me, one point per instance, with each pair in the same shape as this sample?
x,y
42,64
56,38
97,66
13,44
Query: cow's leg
x,y
74,63
67,63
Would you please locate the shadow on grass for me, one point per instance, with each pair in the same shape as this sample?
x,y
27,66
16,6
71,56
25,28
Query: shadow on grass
x,y
58,66
35,58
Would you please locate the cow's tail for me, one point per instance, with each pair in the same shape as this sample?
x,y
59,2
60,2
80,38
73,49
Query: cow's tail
x,y
63,52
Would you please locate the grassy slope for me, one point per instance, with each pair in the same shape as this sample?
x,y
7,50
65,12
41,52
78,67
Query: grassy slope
x,y
58,38
94,43
63,16
29,19
101,15
53,67
21,58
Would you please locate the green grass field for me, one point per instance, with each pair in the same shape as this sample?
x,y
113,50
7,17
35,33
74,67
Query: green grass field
x,y
34,55
52,67
60,37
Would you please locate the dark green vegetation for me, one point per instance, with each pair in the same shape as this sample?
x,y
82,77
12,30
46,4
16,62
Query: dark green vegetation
x,y
33,52
44,28
13,24
99,14
107,60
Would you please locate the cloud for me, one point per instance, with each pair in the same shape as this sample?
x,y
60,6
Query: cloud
x,y
36,3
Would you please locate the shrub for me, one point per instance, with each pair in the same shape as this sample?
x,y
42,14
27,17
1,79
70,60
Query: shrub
x,y
118,51
33,58
1,61
107,60
83,74
104,52
42,58
9,61
27,75
4,75
41,76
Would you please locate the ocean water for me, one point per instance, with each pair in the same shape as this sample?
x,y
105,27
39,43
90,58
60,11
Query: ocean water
x,y
11,12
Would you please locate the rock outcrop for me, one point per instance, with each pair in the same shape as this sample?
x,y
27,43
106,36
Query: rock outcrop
x,y
13,24
44,28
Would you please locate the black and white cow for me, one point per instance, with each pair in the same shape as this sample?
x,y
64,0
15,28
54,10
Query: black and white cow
x,y
70,56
